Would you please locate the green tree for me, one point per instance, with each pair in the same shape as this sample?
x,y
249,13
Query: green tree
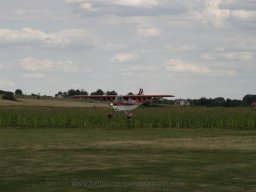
x,y
2,92
83,92
111,92
218,101
249,99
98,92
72,92
18,92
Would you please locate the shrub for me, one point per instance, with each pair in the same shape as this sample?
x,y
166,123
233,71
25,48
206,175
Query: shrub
x,y
9,96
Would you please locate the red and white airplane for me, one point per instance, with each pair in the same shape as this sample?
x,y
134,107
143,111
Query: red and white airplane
x,y
123,102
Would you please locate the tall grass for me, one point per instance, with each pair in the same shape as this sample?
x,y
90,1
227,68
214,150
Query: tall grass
x,y
216,118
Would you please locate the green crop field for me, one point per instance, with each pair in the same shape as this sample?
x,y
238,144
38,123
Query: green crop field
x,y
163,117
160,149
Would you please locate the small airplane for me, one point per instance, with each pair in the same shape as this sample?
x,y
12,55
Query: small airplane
x,y
124,102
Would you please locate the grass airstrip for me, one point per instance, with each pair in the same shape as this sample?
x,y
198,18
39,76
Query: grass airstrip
x,y
160,149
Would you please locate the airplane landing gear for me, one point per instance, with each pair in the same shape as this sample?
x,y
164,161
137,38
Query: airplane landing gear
x,y
129,115
110,115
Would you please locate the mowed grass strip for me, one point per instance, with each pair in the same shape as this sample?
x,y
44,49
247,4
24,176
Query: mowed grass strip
x,y
139,159
54,102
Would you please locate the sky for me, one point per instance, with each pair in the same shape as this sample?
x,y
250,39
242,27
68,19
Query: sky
x,y
191,49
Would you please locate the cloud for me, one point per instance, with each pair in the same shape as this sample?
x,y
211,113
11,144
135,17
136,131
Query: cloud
x,y
242,56
29,36
44,65
128,3
124,57
83,4
211,12
136,3
125,8
140,68
146,31
244,15
182,48
208,56
86,6
34,75
6,84
109,46
245,56
176,65
223,72
4,66
216,17
75,1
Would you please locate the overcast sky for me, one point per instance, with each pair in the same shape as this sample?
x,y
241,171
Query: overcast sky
x,y
189,48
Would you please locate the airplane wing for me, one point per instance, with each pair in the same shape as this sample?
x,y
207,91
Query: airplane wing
x,y
145,97
140,96
101,97
126,97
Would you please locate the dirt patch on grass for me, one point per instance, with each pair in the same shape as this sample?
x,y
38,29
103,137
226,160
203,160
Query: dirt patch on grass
x,y
244,143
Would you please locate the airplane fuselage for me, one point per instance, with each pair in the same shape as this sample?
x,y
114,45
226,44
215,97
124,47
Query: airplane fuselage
x,y
120,104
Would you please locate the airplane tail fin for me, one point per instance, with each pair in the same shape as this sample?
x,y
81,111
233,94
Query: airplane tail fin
x,y
140,92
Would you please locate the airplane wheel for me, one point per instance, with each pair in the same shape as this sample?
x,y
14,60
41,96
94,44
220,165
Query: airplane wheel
x,y
129,115
110,115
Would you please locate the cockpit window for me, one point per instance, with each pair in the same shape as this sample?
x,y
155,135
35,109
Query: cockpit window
x,y
118,98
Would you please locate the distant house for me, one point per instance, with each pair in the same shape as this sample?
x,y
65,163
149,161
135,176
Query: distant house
x,y
181,102
59,96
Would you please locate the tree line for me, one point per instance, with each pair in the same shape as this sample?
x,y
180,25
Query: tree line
x,y
8,95
72,92
203,101
220,101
